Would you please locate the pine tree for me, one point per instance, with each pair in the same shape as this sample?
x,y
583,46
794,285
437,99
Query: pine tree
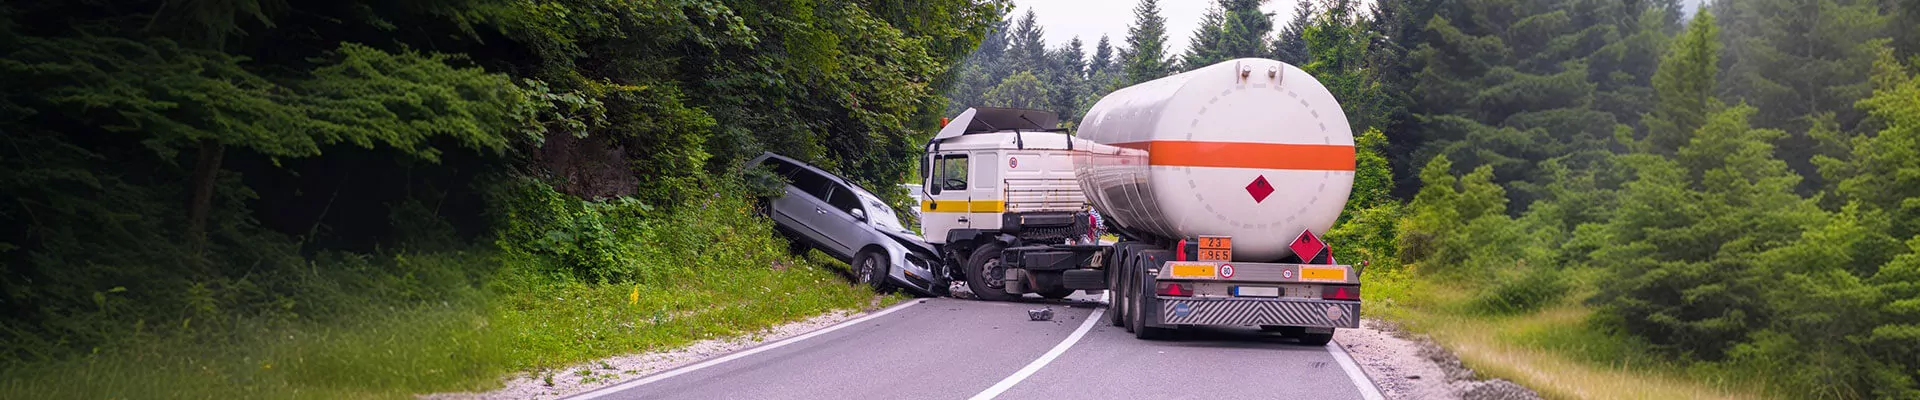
x,y
1102,57
1069,79
1291,46
1145,57
1028,50
1231,29
1683,86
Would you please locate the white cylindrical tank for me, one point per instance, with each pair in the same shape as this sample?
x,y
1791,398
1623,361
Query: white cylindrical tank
x,y
1251,148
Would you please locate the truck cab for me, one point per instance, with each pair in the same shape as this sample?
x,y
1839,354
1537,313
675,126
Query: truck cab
x,y
999,179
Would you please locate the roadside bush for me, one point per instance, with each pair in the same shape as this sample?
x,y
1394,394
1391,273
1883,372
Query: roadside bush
x,y
1535,288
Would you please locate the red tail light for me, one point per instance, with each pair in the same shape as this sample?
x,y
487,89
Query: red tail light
x,y
1340,293
1174,289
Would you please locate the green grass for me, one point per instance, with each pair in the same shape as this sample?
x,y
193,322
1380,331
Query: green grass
x,y
1554,348
461,344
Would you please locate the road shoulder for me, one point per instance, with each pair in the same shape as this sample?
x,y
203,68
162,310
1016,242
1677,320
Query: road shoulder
x,y
1406,366
589,376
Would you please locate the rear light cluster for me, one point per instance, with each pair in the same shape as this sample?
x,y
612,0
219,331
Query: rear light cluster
x,y
1340,293
1174,289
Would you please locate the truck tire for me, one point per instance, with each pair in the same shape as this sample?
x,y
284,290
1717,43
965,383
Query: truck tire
x,y
1116,288
979,266
1316,339
870,269
1144,306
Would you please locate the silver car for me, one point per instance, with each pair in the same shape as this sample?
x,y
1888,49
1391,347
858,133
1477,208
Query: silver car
x,y
823,211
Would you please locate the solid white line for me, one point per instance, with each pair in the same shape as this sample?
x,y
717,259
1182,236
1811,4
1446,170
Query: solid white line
x,y
735,356
1035,366
1360,380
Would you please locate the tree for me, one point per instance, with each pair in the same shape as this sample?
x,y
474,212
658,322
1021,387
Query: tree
x,y
1021,90
1683,86
1029,49
1145,57
1102,57
1231,29
1068,79
1803,61
1291,46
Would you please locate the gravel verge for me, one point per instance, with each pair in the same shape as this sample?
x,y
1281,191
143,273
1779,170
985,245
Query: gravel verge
x,y
579,378
1408,366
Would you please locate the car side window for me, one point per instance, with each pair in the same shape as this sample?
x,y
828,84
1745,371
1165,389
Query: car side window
x,y
783,168
952,172
843,199
812,183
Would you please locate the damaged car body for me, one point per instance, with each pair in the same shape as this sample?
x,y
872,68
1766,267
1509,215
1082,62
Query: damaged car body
x,y
819,210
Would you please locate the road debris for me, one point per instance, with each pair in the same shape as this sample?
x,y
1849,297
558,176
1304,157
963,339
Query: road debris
x,y
1042,314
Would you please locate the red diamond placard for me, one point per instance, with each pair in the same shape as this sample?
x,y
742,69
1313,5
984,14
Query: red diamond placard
x,y
1259,189
1307,246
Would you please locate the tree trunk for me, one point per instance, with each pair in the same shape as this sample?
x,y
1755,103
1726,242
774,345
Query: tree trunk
x,y
205,173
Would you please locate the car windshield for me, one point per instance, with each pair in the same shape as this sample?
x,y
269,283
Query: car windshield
x,y
881,214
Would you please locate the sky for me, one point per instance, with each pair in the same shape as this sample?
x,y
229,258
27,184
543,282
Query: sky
x,y
1088,19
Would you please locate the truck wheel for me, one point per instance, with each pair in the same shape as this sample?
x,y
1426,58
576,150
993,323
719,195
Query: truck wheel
x,y
1116,289
1057,294
1316,339
986,276
1143,302
870,271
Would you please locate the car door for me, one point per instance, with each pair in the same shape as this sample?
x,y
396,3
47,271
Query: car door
x,y
840,223
806,203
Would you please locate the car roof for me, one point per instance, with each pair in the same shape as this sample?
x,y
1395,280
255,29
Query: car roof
x,y
836,178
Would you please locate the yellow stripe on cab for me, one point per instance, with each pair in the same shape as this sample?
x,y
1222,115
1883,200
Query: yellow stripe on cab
x,y
956,206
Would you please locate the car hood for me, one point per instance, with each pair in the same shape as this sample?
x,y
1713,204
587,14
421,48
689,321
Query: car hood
x,y
911,241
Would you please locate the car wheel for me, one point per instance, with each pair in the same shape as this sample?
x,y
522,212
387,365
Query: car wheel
x,y
870,270
986,276
1057,294
1316,339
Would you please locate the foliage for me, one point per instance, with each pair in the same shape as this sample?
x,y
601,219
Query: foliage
x,y
1145,57
1230,29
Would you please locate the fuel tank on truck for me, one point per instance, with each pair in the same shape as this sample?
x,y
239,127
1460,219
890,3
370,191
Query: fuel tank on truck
x,y
1251,148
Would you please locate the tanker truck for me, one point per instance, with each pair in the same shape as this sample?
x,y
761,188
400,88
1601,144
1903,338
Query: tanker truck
x,y
1215,181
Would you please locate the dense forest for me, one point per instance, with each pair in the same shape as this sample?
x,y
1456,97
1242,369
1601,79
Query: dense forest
x,y
1731,187
183,176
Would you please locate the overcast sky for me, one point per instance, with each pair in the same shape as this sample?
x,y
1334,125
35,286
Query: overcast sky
x,y
1088,19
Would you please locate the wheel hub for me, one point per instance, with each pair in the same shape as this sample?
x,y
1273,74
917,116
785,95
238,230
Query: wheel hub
x,y
995,275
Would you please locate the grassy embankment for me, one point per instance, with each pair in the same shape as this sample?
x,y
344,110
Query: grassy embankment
x,y
1554,349
702,273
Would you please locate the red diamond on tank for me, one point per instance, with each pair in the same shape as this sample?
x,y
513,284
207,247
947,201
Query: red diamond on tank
x,y
1259,189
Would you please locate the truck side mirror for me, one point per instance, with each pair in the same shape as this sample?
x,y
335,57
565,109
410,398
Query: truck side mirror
x,y
858,214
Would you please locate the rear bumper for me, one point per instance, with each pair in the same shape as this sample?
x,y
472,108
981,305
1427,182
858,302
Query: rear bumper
x,y
1245,311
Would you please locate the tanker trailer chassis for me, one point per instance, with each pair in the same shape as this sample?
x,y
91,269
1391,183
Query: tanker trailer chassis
x,y
1158,287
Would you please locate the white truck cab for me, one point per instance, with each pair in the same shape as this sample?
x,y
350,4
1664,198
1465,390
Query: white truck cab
x,y
995,179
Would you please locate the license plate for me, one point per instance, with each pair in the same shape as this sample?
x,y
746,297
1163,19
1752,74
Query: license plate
x,y
1323,274
1201,271
1216,248
1256,291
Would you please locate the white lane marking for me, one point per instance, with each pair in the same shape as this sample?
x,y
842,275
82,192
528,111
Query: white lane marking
x,y
735,356
1035,366
1360,380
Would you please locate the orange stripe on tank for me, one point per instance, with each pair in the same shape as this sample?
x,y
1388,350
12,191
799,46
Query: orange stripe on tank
x,y
1313,157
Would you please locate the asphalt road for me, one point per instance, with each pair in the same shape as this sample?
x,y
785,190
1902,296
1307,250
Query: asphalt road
x,y
958,349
